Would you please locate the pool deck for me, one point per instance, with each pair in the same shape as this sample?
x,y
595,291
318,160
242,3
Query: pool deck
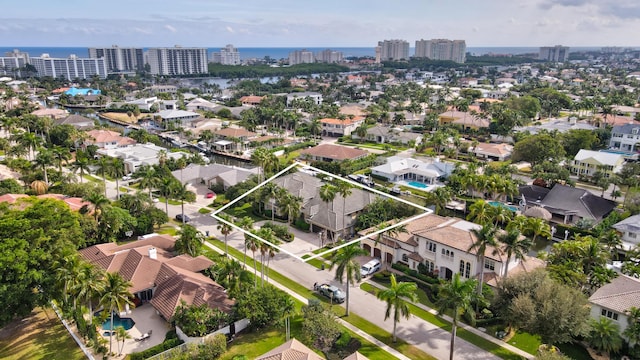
x,y
428,188
146,319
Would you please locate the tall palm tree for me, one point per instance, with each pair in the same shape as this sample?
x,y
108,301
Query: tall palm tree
x,y
189,241
344,189
148,178
121,335
268,235
259,157
117,171
167,188
613,242
514,244
315,127
67,270
43,160
81,164
103,168
347,266
394,295
485,237
246,223
632,332
27,140
90,284
61,154
328,194
114,297
271,253
225,229
537,227
456,295
253,244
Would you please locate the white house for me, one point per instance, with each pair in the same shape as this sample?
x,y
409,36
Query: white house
x,y
314,96
588,162
614,299
182,117
625,138
399,168
338,127
630,230
140,154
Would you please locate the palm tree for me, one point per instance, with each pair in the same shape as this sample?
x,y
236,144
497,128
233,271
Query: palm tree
x,y
343,189
605,335
81,164
271,253
43,160
440,196
103,168
290,205
90,284
315,127
246,223
485,237
480,212
28,141
98,201
537,227
67,270
253,244
394,296
328,194
61,154
259,157
267,235
347,266
116,170
270,192
148,178
115,296
514,244
167,187
121,335
612,241
632,332
189,241
225,229
456,295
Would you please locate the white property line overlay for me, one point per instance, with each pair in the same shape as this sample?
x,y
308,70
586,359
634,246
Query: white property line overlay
x,y
366,188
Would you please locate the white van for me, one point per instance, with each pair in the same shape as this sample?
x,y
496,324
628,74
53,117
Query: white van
x,y
370,267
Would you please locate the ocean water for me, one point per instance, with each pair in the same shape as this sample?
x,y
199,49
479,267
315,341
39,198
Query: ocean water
x,y
283,52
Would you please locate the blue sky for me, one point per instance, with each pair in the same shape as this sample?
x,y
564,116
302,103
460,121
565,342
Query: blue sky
x,y
298,23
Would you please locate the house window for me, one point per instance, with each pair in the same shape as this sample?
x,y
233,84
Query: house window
x,y
430,266
405,258
467,270
610,314
447,253
632,235
431,247
489,264
461,267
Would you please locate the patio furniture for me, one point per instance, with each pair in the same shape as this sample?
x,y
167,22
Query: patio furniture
x,y
144,336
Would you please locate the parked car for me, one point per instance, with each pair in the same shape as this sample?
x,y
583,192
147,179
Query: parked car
x,y
210,195
186,218
126,177
332,292
370,267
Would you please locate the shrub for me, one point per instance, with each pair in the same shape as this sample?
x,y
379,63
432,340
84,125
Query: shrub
x,y
301,225
164,346
280,231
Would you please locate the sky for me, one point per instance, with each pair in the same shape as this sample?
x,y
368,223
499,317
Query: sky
x,y
318,23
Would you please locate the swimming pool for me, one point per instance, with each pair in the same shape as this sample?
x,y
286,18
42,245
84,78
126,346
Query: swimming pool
x,y
497,203
419,185
126,323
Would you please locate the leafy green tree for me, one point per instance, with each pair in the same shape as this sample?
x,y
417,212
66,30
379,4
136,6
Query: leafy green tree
x,y
575,140
457,296
263,306
538,148
605,335
346,266
114,221
198,320
632,332
10,186
319,326
395,296
114,298
189,241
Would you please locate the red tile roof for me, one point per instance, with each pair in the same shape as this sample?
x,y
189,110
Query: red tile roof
x,y
334,152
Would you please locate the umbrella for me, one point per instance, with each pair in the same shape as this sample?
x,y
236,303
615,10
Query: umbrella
x,y
538,212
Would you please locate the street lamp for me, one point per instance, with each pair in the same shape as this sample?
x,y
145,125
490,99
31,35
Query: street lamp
x,y
566,234
553,232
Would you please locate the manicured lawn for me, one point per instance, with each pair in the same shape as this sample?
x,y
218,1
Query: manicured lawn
x,y
242,211
167,229
204,211
525,341
171,201
40,336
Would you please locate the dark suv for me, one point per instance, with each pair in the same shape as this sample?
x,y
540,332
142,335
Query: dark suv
x,y
186,218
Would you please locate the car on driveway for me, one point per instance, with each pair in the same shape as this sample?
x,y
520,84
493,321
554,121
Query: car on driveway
x,y
330,291
210,195
186,218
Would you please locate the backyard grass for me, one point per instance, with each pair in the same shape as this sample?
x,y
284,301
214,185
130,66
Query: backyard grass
x,y
204,211
39,336
243,210
526,342
167,229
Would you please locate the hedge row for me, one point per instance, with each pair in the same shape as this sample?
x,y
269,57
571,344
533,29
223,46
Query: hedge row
x,y
169,342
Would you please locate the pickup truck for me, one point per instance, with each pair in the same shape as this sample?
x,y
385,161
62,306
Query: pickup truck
x,y
330,291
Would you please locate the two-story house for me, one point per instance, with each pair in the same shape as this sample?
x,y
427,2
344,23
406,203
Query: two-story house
x,y
442,245
630,230
233,139
331,152
107,139
625,138
613,300
339,127
588,162
315,97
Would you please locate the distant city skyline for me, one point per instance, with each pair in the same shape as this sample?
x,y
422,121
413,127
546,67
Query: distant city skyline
x,y
331,23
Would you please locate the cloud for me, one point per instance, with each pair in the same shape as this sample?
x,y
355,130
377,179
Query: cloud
x,y
170,28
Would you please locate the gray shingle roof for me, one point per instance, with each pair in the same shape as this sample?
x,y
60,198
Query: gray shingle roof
x,y
630,224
